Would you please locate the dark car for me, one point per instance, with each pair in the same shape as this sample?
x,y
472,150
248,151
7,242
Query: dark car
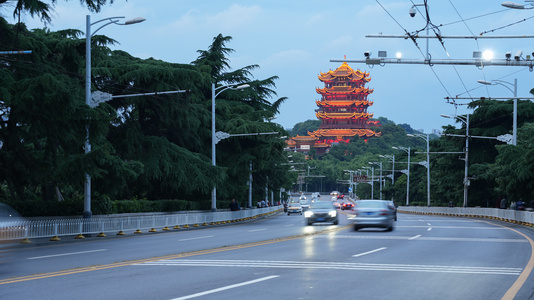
x,y
373,213
340,196
347,205
321,211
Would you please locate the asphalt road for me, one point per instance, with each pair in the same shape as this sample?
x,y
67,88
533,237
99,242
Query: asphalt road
x,y
425,257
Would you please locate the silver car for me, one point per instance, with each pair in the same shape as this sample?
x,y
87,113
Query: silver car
x,y
373,213
321,211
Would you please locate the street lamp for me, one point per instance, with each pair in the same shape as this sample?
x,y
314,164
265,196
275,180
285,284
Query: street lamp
x,y
427,139
88,35
407,150
379,164
214,94
372,179
466,180
514,91
514,5
392,159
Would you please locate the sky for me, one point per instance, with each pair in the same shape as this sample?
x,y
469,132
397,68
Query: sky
x,y
295,40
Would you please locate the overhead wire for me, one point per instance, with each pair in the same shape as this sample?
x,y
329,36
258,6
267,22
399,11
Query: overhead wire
x,y
415,42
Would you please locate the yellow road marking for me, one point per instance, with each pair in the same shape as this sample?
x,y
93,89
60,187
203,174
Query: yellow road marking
x,y
166,257
512,291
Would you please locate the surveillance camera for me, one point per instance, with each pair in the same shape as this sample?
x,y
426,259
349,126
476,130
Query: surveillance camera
x,y
518,54
412,12
367,54
508,55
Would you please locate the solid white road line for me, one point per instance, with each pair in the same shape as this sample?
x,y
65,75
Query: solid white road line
x,y
65,254
369,252
196,238
257,230
226,288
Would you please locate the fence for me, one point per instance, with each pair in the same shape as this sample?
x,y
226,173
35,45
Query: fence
x,y
508,215
28,229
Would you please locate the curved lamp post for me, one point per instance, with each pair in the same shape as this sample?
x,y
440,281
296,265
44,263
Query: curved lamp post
x,y
514,91
466,179
425,137
214,138
88,35
379,164
407,150
392,159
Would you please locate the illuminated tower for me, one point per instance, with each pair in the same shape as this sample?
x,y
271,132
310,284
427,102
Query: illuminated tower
x,y
343,106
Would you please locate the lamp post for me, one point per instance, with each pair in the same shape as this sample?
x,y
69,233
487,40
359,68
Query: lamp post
x,y
372,180
214,94
514,91
392,159
379,164
88,35
427,139
466,179
407,150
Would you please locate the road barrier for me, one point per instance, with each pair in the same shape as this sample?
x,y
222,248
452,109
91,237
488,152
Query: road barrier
x,y
27,229
513,216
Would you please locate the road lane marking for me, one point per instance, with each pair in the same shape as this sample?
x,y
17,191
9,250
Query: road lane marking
x,y
334,265
414,237
79,270
386,237
453,227
369,252
429,229
255,230
196,238
226,288
65,254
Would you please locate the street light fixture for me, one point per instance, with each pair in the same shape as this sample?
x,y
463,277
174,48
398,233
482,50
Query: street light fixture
x,y
372,179
514,91
425,137
407,150
466,179
379,164
214,94
88,99
514,5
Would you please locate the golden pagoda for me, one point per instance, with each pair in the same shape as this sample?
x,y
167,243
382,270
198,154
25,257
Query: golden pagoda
x,y
343,106
342,111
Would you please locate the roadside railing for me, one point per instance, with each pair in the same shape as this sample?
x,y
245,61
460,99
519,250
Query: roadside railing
x,y
120,225
507,215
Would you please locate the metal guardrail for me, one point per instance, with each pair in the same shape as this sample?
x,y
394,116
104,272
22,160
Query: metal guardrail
x,y
28,229
508,215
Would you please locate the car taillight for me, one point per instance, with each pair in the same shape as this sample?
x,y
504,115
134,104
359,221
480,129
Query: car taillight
x,y
383,212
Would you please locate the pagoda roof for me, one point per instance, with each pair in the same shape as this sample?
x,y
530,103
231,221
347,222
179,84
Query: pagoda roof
x,y
343,102
321,145
339,133
304,138
345,71
344,89
345,115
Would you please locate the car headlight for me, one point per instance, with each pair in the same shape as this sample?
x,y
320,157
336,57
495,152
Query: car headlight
x,y
332,213
308,214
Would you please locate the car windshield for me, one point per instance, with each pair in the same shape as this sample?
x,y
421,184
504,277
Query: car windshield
x,y
322,204
294,204
370,204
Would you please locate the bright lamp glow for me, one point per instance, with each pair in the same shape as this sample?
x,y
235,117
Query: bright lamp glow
x,y
308,214
398,55
332,213
488,54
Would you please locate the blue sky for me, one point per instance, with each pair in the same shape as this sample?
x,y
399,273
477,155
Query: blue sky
x,y
296,39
